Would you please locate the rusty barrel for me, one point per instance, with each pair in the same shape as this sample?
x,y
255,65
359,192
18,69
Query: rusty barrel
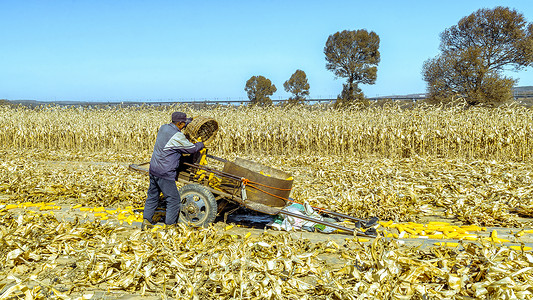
x,y
272,186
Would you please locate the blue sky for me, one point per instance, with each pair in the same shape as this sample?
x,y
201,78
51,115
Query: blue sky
x,y
171,50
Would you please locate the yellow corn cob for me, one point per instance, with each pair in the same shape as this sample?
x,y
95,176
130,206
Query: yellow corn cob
x,y
400,228
460,230
447,244
411,231
130,219
496,240
468,237
436,236
519,248
439,223
451,235
471,228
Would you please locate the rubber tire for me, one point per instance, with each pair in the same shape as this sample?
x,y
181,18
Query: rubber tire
x,y
198,205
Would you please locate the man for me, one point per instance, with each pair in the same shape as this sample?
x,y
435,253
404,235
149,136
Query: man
x,y
169,145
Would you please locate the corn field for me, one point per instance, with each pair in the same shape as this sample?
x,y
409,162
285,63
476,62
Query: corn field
x,y
501,134
470,167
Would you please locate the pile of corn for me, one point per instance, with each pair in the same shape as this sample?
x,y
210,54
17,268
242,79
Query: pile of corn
x,y
446,231
42,206
123,215
432,230
127,215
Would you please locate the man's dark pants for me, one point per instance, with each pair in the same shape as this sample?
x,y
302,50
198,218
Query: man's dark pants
x,y
171,195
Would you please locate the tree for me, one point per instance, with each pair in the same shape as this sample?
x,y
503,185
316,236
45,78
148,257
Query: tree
x,y
259,90
474,54
351,97
353,55
298,86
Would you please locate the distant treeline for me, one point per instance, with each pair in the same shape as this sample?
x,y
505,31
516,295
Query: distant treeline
x,y
524,95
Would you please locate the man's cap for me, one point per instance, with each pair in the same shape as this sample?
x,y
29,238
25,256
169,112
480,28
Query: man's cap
x,y
180,117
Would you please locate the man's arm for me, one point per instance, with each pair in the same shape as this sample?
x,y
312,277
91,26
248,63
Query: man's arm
x,y
180,143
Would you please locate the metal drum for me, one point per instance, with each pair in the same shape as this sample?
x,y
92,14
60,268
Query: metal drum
x,y
267,185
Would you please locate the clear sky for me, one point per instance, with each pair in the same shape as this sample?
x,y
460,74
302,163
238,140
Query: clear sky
x,y
114,50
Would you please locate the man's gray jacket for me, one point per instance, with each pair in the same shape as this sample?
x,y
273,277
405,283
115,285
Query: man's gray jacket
x,y
169,145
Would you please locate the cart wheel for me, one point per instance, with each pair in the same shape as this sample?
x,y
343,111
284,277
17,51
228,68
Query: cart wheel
x,y
198,205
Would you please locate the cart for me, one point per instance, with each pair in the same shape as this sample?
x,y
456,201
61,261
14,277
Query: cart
x,y
207,192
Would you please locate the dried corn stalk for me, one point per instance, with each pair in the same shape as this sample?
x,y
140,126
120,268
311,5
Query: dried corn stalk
x,y
480,133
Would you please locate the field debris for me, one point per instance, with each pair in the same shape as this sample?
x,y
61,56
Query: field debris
x,y
47,258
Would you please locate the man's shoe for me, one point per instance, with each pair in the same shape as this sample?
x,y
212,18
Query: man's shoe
x,y
171,226
146,225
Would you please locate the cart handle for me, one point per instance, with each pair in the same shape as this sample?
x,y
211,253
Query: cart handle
x,y
217,158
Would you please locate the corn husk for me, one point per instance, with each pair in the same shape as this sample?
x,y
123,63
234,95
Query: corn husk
x,y
43,256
